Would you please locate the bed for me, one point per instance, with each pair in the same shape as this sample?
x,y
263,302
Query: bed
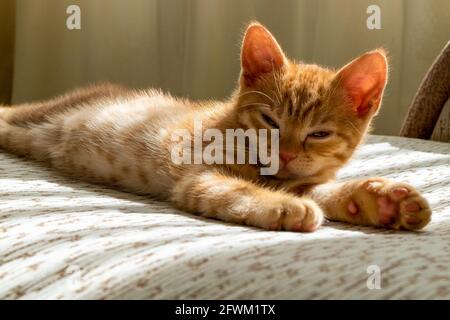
x,y
64,239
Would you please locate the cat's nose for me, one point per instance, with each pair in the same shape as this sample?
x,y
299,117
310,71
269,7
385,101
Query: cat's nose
x,y
286,156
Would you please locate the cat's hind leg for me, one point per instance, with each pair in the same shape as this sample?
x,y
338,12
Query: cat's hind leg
x,y
38,112
25,141
32,129
14,139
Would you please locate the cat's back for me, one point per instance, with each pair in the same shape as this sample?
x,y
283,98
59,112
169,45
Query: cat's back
x,y
114,107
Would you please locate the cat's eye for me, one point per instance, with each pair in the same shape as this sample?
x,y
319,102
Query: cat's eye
x,y
270,121
319,134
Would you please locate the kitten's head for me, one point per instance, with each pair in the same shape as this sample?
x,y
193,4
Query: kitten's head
x,y
322,114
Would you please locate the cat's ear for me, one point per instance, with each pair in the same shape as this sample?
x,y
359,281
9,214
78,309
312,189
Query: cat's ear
x,y
260,53
363,81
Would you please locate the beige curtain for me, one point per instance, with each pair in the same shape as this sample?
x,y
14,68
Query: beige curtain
x,y
191,48
7,16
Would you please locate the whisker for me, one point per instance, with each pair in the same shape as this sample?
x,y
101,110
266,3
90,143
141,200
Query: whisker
x,y
279,98
333,88
258,92
256,104
353,126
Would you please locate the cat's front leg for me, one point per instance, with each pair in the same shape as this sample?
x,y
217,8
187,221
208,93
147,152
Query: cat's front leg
x,y
215,195
376,202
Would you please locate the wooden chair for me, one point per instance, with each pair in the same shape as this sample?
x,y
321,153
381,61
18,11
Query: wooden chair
x,y
428,116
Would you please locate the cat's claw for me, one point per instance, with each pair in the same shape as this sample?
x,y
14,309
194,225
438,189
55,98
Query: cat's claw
x,y
384,203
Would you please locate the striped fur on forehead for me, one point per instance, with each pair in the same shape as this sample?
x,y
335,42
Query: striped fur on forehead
x,y
296,90
304,89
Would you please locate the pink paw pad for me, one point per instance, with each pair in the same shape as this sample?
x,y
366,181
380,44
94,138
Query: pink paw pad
x,y
311,228
273,226
352,208
400,192
387,209
412,207
412,220
296,227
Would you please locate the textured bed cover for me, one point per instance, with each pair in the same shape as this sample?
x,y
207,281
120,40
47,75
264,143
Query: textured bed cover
x,y
61,238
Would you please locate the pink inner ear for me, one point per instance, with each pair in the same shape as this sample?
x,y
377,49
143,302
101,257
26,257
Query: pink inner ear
x,y
363,81
260,53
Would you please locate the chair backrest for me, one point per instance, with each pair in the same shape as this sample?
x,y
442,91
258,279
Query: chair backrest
x,y
441,130
429,113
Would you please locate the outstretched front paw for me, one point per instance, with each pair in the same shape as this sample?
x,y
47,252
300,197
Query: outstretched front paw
x,y
384,203
287,213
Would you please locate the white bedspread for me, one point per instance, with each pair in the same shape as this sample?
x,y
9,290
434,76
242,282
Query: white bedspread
x,y
66,239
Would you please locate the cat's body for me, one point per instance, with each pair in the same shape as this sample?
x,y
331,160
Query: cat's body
x,y
120,137
108,134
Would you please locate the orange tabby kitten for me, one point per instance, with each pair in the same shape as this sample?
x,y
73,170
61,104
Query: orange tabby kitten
x,y
109,134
